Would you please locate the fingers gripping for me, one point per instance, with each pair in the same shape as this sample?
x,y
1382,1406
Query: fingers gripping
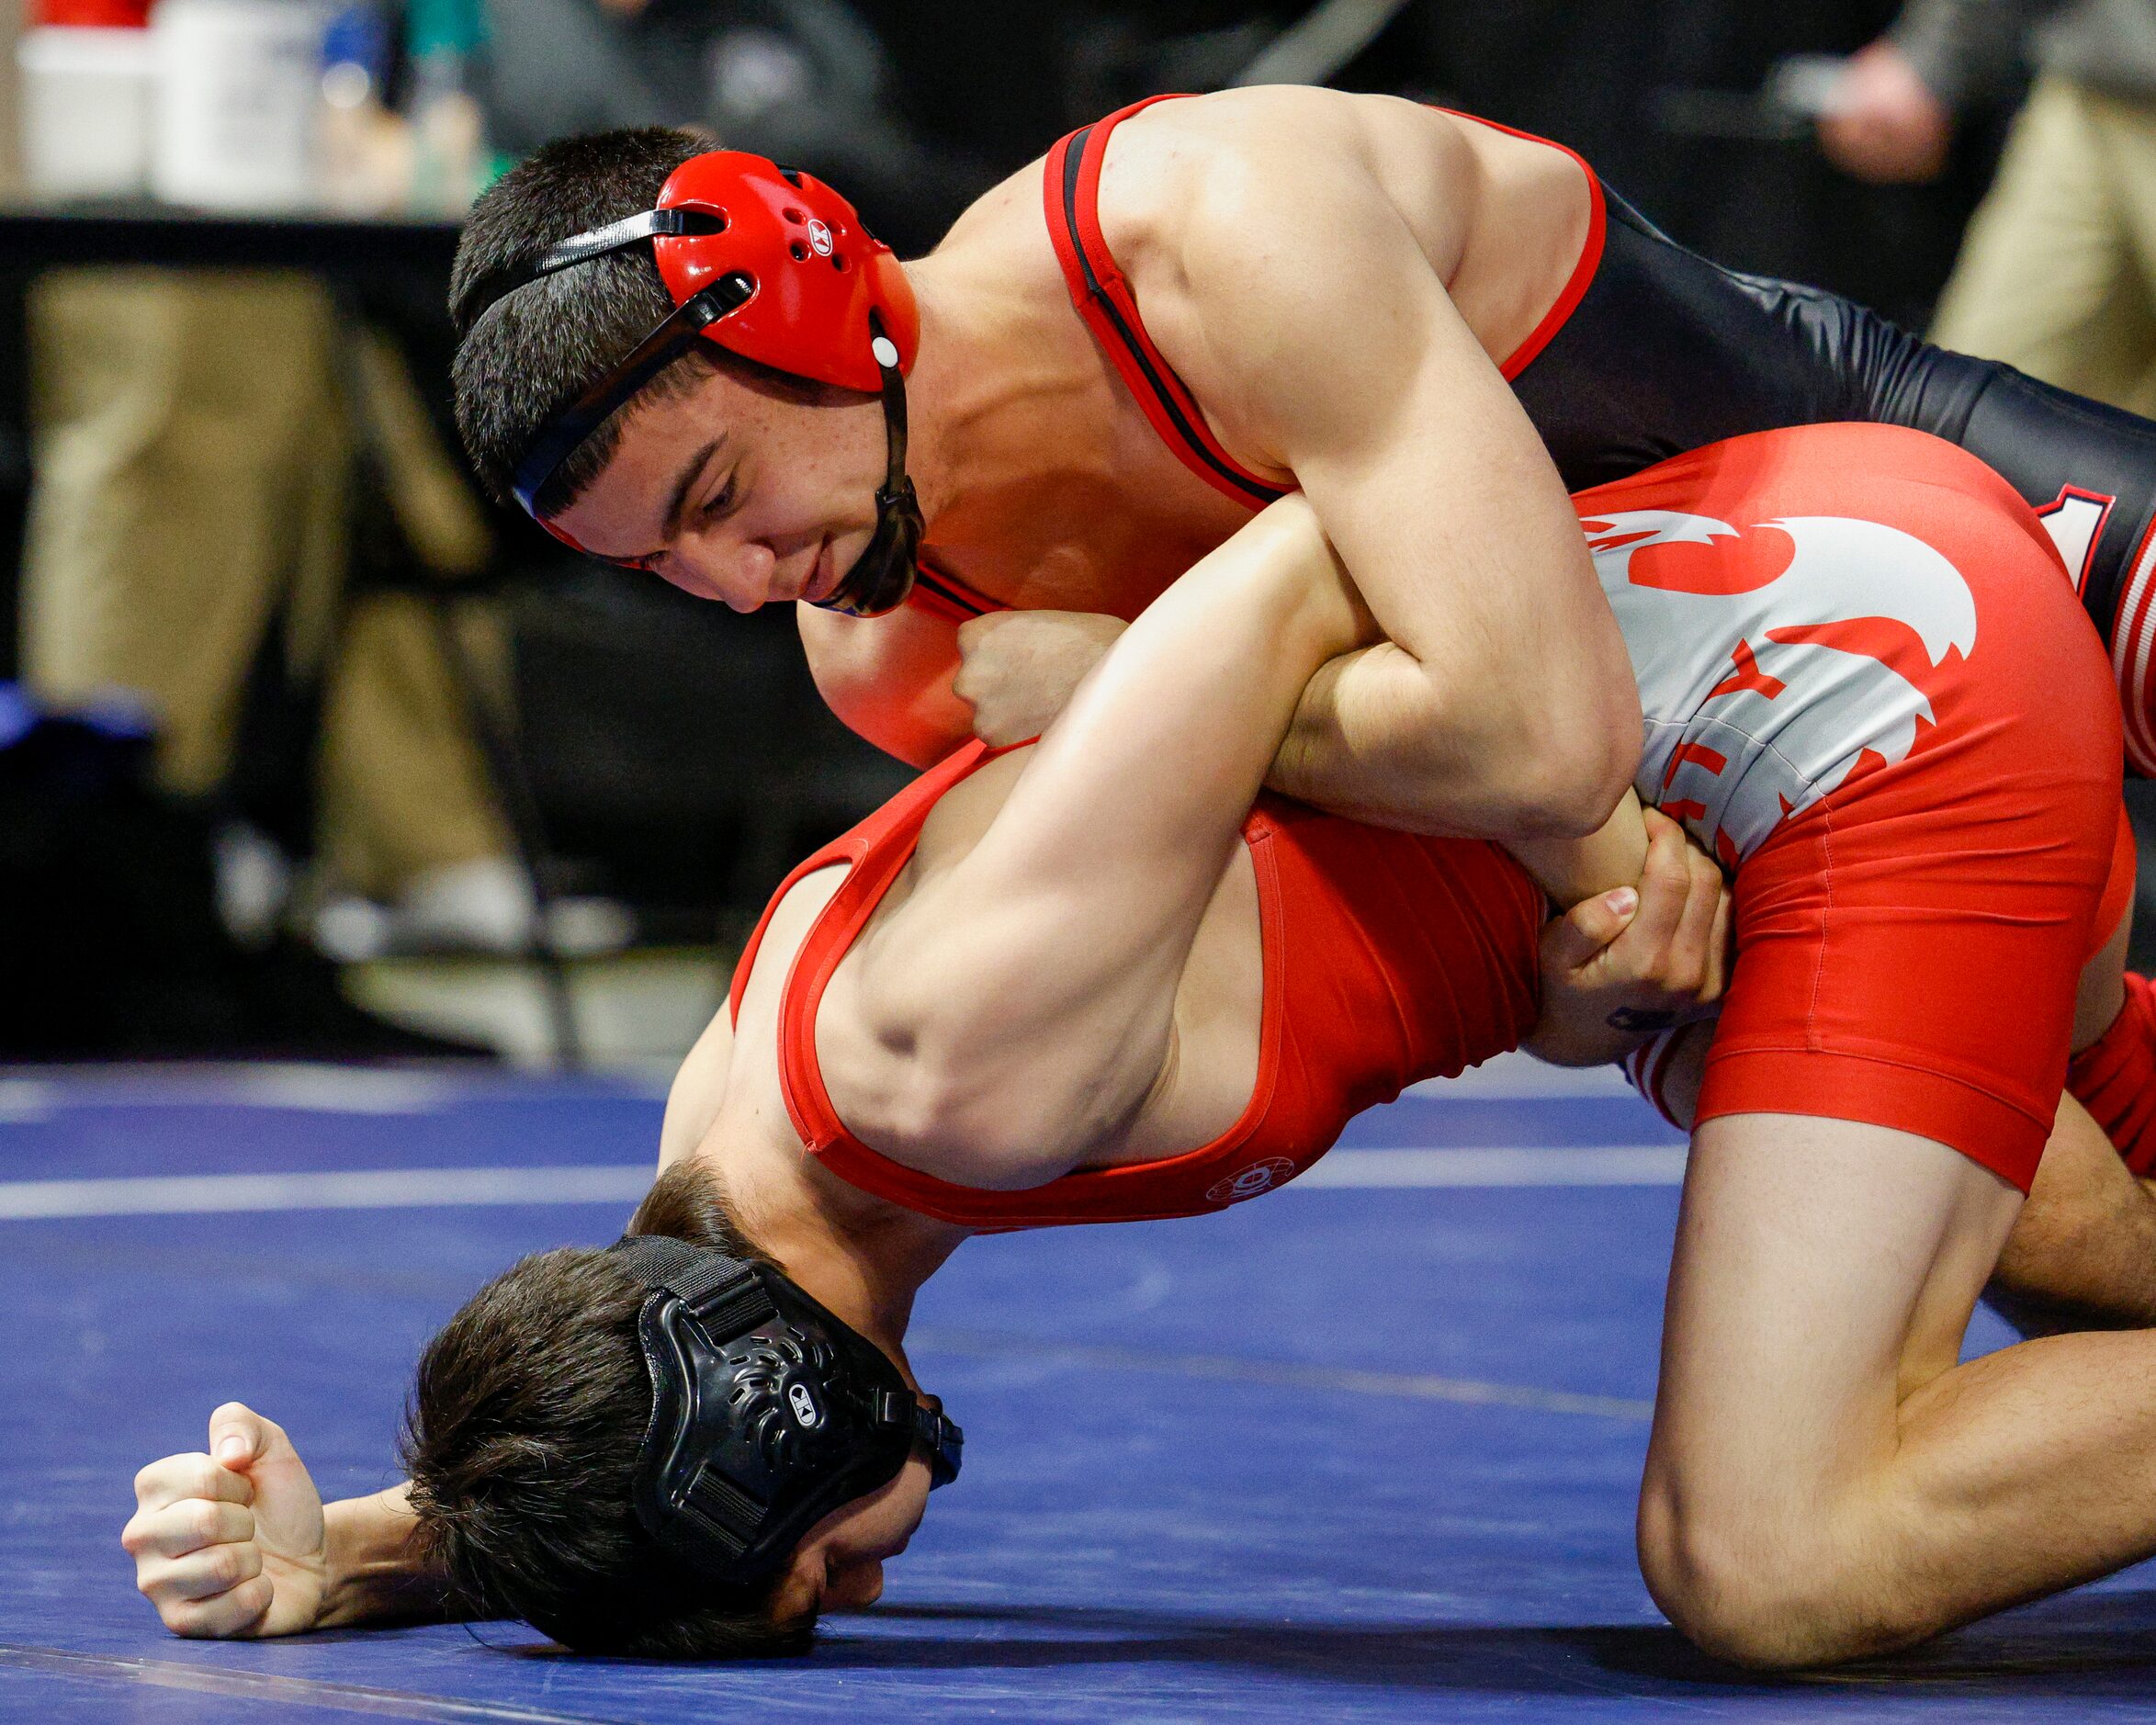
x,y
1691,955
237,1612
1580,936
1666,887
199,1576
187,1526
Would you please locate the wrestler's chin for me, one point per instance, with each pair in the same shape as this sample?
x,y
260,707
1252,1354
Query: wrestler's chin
x,y
834,562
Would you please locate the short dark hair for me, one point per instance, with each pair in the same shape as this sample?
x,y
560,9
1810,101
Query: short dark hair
x,y
521,1438
523,356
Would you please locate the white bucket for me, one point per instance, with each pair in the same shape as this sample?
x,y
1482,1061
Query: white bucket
x,y
237,87
85,111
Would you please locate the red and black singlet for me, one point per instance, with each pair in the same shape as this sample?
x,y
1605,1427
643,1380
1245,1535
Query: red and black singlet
x,y
1651,351
1071,191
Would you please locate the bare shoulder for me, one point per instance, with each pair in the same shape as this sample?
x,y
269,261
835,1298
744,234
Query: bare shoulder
x,y
733,1066
1222,161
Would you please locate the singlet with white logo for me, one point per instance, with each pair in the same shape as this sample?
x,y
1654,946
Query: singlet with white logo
x,y
1782,651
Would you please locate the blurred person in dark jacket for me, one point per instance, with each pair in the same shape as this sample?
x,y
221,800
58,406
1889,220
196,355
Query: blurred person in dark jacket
x,y
2056,274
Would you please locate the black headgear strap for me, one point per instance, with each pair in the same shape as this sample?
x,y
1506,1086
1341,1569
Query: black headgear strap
x,y
883,575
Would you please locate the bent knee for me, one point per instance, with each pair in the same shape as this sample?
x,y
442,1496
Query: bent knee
x,y
1767,1588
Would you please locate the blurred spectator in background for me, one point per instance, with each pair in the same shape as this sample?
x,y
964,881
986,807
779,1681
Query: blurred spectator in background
x,y
196,435
2057,272
801,81
10,126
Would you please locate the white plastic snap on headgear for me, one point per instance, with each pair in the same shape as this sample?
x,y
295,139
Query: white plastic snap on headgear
x,y
885,351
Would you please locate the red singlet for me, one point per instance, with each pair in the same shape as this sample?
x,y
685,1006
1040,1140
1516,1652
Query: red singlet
x,y
1922,827
1388,958
1869,688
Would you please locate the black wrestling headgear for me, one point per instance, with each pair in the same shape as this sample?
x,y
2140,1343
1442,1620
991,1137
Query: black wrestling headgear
x,y
767,1411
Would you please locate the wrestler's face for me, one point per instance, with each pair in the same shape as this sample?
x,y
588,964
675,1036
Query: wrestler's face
x,y
840,1563
736,491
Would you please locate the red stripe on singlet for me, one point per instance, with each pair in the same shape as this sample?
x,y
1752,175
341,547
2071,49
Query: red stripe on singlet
x,y
1071,189
1583,272
1071,193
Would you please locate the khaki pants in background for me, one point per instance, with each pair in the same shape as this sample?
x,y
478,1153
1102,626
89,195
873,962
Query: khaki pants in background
x,y
2057,271
193,456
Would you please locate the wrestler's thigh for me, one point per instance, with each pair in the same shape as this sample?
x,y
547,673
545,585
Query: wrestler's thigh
x,y
1823,1269
1912,964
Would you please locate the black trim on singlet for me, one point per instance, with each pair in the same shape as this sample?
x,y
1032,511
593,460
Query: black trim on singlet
x,y
963,599
1073,162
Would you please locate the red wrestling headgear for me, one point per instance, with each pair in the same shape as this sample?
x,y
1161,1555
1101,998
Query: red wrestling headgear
x,y
773,265
818,274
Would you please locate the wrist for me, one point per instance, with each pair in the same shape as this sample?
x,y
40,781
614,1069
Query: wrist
x,y
1298,585
372,1564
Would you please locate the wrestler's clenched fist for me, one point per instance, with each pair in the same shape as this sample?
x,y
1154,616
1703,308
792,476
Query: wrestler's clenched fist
x,y
230,1542
1021,668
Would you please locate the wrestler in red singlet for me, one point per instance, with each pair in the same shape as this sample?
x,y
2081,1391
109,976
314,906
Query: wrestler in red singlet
x,y
1388,958
1650,350
1843,637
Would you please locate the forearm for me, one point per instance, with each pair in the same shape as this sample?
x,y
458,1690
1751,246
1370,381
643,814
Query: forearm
x,y
1374,738
1569,870
377,1570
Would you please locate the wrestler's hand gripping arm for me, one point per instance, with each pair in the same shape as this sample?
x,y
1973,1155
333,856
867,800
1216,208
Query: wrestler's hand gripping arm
x,y
1018,1006
1021,668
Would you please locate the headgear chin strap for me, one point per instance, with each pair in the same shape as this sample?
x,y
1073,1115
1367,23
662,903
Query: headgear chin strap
x,y
767,1411
774,266
883,574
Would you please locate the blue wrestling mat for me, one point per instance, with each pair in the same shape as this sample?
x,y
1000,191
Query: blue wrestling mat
x,y
1363,1449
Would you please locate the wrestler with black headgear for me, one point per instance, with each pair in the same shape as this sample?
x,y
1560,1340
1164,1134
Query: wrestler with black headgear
x,y
1020,993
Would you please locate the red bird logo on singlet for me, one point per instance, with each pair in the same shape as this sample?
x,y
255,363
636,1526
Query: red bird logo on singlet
x,y
1772,659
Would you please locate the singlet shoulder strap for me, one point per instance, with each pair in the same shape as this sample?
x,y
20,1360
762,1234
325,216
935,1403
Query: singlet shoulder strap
x,y
1071,193
876,864
1583,271
894,827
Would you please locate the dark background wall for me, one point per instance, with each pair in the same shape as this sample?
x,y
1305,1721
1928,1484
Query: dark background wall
x,y
669,742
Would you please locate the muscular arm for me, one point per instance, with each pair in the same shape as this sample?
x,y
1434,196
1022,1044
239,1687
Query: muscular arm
x,y
1018,1006
1293,296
